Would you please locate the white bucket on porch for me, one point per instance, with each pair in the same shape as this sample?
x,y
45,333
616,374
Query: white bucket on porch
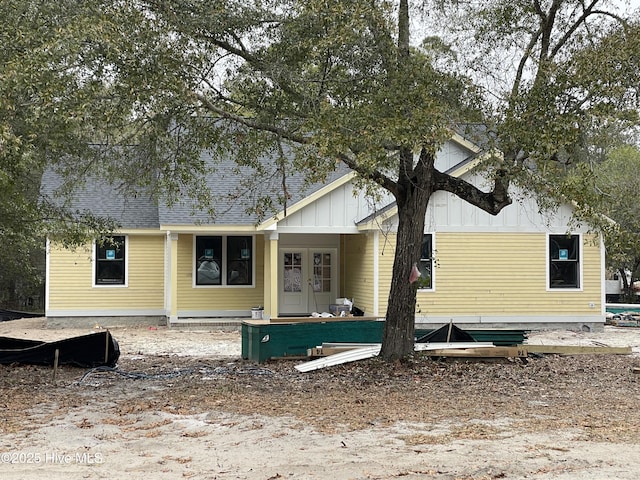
x,y
256,313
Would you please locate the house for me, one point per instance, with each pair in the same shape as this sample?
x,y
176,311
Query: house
x,y
172,264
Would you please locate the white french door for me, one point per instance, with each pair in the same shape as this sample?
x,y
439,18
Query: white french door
x,y
307,280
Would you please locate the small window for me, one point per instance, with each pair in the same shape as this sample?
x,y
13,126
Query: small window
x,y
564,261
426,263
110,261
224,260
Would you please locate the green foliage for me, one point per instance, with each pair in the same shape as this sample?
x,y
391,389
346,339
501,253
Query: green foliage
x,y
614,183
559,72
311,83
44,102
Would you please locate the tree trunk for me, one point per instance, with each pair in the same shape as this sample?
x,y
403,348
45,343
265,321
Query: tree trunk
x,y
399,330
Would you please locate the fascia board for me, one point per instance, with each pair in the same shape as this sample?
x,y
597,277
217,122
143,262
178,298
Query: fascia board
x,y
208,228
375,222
463,142
139,231
463,168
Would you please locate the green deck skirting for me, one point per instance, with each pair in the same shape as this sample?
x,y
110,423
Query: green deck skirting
x,y
262,340
623,308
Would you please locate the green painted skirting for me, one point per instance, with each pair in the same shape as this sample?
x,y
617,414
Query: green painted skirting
x,y
616,308
263,340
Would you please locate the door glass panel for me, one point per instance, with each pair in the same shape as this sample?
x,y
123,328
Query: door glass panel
x,y
322,272
293,272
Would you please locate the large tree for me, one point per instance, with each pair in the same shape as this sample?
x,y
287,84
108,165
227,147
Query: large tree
x,y
334,81
45,102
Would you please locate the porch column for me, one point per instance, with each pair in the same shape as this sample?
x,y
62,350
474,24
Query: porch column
x,y
270,275
172,309
376,272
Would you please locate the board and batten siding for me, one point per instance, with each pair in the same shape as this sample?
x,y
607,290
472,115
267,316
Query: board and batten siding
x,y
450,155
71,290
334,213
218,300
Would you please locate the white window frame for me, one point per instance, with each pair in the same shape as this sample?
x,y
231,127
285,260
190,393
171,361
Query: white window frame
x,y
94,264
223,272
433,263
580,273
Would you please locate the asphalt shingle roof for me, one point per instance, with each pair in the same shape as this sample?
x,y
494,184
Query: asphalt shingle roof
x,y
104,200
232,189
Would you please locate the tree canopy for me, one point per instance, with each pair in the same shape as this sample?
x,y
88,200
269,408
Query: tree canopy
x,y
334,81
610,187
43,108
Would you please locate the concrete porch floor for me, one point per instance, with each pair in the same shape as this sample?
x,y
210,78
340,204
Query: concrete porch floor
x,y
224,324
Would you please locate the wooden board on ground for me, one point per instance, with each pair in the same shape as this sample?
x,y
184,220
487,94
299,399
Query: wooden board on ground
x,y
480,352
576,350
439,348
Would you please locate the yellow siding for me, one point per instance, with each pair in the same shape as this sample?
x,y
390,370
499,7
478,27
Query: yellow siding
x,y
502,274
191,298
387,248
357,278
70,285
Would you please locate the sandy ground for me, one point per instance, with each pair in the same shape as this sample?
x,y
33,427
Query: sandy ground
x,y
86,425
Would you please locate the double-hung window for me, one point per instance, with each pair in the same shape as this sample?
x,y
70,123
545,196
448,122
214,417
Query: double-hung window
x,y
110,261
425,281
223,260
564,261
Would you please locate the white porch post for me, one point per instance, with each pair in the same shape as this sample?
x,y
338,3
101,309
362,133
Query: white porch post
x,y
172,277
270,274
376,272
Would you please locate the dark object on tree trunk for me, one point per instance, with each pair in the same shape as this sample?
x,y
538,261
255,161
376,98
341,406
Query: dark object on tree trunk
x,y
446,333
86,351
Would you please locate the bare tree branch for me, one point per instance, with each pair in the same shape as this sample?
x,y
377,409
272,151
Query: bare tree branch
x,y
491,202
375,175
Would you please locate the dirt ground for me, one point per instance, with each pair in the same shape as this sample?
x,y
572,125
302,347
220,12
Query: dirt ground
x,y
182,404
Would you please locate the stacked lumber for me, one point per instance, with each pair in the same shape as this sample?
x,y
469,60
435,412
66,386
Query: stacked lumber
x,y
482,350
332,354
578,350
461,349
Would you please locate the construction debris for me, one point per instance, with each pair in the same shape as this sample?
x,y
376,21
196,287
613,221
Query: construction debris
x,y
355,352
330,354
623,319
